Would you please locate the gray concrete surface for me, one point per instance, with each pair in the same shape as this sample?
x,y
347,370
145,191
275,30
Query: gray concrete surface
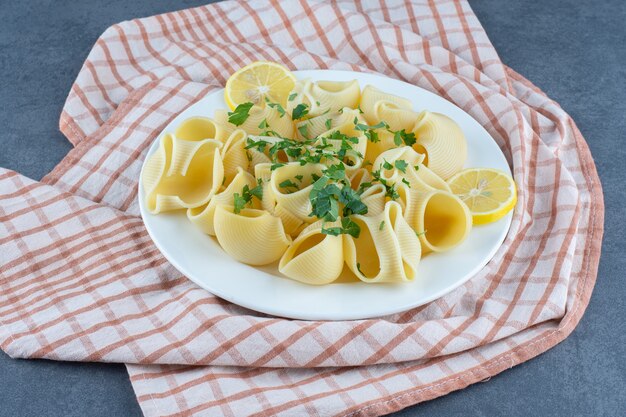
x,y
575,51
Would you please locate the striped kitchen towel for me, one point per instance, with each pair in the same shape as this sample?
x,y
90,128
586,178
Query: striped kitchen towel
x,y
81,280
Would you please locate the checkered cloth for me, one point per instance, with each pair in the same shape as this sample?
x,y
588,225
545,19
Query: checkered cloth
x,y
81,280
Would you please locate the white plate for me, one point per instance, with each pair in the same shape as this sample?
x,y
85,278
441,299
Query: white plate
x,y
200,258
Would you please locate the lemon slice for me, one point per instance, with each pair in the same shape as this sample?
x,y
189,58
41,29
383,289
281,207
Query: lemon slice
x,y
489,193
256,82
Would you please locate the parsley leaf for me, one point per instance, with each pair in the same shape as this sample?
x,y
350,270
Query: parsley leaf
x,y
323,197
304,131
382,225
336,172
240,114
392,193
263,124
352,202
277,106
292,96
402,136
299,111
406,182
299,177
328,123
387,165
259,145
288,184
401,164
348,227
240,201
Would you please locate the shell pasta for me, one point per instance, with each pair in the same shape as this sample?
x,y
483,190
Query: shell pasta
x,y
328,180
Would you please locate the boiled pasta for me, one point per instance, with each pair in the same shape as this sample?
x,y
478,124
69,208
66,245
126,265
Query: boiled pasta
x,y
442,142
331,180
324,96
182,174
251,236
314,257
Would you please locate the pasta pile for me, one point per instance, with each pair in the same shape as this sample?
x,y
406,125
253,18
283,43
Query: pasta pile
x,y
334,177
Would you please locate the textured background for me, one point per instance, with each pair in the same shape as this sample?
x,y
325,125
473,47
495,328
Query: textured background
x,y
574,52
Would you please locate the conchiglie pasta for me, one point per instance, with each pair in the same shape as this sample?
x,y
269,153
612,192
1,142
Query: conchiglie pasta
x,y
260,157
315,126
203,216
442,142
387,249
234,155
292,203
268,117
358,177
254,237
417,175
374,198
441,220
350,139
396,111
199,128
182,174
385,142
325,96
314,257
263,173
354,156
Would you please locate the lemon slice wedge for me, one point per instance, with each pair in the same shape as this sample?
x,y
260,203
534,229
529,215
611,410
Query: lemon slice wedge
x,y
257,82
489,193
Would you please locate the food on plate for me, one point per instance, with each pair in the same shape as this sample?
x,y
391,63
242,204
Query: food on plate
x,y
324,178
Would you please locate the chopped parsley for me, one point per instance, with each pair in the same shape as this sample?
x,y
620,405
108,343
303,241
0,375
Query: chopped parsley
x,y
348,227
288,184
240,114
292,96
401,164
245,198
392,193
259,145
336,172
299,111
381,226
401,136
328,123
277,106
263,124
304,131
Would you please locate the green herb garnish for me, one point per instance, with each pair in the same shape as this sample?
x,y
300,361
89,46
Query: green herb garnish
x,y
401,164
240,201
299,111
401,136
348,227
240,114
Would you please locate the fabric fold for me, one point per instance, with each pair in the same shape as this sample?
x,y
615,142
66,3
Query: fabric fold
x,y
81,280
